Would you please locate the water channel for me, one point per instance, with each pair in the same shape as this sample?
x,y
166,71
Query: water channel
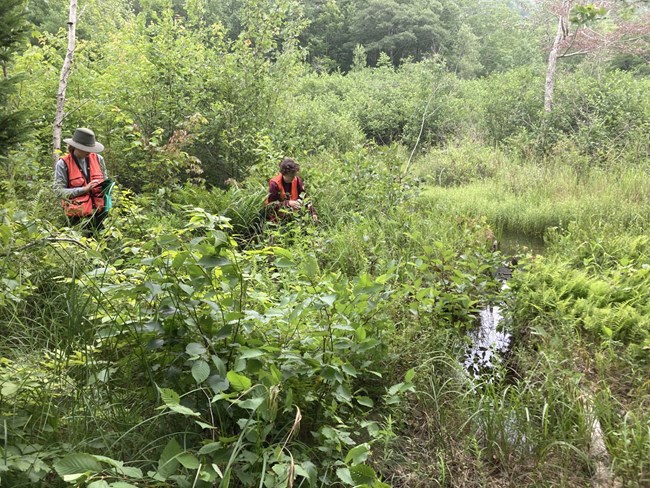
x,y
491,340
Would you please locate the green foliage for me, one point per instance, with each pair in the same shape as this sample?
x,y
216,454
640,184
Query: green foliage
x,y
388,104
507,34
12,30
459,164
602,290
510,103
605,116
192,344
397,28
527,198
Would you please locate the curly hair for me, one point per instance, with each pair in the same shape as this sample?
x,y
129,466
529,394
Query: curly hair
x,y
288,165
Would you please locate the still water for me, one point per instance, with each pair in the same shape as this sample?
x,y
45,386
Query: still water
x,y
490,341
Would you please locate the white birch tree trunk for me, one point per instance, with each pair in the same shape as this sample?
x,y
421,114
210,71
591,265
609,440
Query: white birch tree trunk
x,y
562,33
63,81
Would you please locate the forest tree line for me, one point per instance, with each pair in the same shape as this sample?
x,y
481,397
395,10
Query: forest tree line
x,y
209,86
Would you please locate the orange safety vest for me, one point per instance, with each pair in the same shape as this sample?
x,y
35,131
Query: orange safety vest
x,y
278,181
84,205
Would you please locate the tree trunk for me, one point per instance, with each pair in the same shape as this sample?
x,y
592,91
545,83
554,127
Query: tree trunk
x,y
63,82
562,33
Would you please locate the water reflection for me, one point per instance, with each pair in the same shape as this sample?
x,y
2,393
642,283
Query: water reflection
x,y
488,342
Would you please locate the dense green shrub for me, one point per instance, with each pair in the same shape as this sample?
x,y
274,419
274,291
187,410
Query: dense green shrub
x,y
509,103
606,115
459,164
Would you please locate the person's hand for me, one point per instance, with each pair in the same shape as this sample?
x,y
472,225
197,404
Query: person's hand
x,y
88,188
315,218
294,204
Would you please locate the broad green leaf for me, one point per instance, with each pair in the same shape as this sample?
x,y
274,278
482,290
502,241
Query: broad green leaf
x,y
169,397
252,403
75,463
168,462
130,471
365,401
224,332
300,471
186,288
8,389
372,427
179,259
363,475
211,447
200,371
105,459
210,262
240,365
358,454
345,476
360,333
122,484
410,374
5,233
283,262
221,367
98,484
251,353
195,349
220,237
184,410
239,381
311,267
69,478
234,316
168,240
280,469
349,369
328,299
217,383
189,460
331,373
309,468
395,388
280,251
391,400
343,392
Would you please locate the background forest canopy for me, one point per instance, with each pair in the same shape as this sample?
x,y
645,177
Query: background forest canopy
x,y
207,91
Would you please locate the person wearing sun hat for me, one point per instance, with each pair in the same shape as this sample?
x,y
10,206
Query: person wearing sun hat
x,y
78,177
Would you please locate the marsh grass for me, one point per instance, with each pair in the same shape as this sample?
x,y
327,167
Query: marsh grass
x,y
534,426
531,198
531,431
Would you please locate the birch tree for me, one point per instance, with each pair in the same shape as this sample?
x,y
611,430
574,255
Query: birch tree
x,y
578,34
561,34
63,81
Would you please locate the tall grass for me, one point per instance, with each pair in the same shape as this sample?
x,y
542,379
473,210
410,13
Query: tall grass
x,y
530,198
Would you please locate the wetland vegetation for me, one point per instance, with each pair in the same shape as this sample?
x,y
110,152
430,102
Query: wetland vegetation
x,y
190,344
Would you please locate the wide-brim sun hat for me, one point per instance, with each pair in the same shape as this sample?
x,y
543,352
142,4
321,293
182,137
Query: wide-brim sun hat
x,y
84,139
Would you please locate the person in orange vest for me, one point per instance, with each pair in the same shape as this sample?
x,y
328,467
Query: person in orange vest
x,y
77,180
285,193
